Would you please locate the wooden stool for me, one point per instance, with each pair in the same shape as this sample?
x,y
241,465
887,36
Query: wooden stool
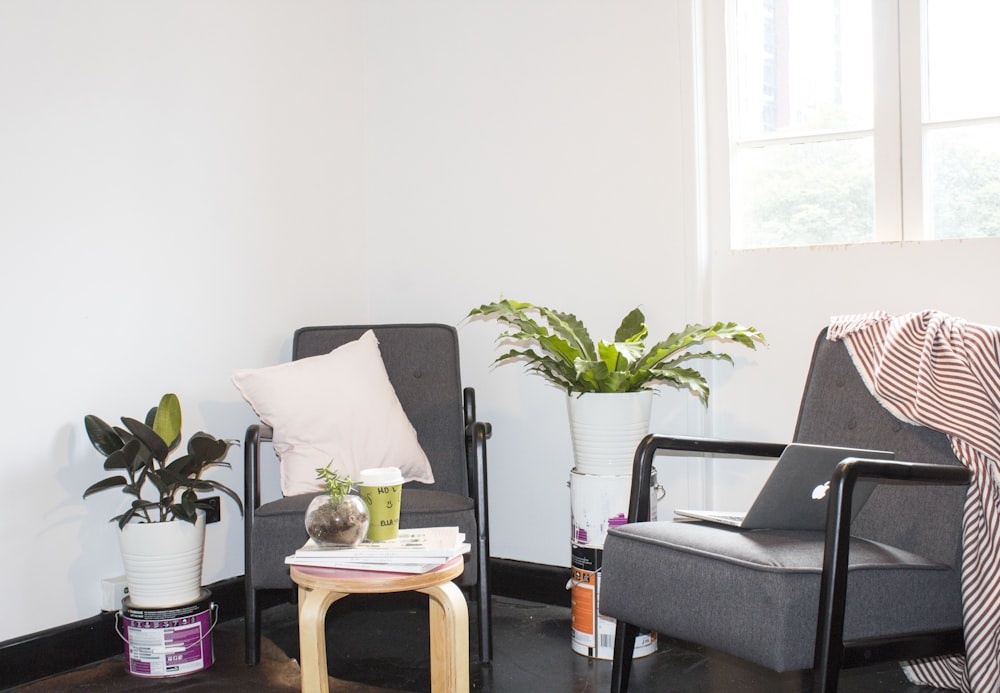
x,y
449,618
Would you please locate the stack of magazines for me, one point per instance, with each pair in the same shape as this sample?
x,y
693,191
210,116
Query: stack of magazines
x,y
413,551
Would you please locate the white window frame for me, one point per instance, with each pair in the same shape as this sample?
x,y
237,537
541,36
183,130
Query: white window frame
x,y
910,67
898,119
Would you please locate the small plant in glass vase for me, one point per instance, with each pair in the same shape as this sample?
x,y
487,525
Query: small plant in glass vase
x,y
336,517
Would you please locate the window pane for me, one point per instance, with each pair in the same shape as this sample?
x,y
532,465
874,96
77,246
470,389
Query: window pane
x,y
803,66
801,194
963,186
961,44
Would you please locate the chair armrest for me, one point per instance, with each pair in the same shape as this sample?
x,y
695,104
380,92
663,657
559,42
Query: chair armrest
x,y
642,466
255,435
841,499
846,476
833,580
469,403
476,435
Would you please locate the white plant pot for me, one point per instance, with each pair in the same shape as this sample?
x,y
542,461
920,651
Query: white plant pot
x,y
606,429
163,561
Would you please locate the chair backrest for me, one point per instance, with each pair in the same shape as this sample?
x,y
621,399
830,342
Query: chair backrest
x,y
423,366
838,409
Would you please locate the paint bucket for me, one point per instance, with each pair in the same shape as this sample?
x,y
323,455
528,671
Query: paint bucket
x,y
593,634
597,503
168,642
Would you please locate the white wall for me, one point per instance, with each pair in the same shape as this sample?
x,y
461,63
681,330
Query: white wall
x,y
179,189
277,164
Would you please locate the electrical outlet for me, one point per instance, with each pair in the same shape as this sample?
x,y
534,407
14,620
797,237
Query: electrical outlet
x,y
214,512
113,591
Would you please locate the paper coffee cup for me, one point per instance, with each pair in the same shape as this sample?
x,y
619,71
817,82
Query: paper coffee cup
x,y
381,489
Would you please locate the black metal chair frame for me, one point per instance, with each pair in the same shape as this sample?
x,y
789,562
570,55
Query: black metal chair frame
x,y
833,653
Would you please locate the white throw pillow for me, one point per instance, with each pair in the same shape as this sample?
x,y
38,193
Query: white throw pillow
x,y
339,406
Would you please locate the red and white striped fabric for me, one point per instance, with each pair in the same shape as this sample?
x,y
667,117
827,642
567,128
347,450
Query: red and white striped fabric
x,y
944,373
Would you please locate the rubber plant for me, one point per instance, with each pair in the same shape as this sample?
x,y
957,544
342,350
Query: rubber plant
x,y
557,346
138,456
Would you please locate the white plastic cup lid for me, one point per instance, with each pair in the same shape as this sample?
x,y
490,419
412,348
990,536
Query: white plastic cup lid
x,y
381,476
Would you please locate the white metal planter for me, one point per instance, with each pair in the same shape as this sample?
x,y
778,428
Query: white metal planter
x,y
606,429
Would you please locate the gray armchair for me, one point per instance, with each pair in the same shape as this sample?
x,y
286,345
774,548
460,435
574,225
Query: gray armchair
x,y
422,362
885,586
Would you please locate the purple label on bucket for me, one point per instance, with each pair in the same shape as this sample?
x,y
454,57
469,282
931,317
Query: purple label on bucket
x,y
618,520
581,535
187,637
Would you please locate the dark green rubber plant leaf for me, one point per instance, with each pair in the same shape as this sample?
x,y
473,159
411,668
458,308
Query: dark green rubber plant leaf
x,y
207,448
102,436
148,437
103,484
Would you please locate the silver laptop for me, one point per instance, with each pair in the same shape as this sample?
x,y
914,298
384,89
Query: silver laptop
x,y
795,495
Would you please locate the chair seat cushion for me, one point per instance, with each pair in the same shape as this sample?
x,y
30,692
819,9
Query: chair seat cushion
x,y
755,594
279,529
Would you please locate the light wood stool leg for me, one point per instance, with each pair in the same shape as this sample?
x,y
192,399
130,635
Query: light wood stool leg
x,y
449,626
313,604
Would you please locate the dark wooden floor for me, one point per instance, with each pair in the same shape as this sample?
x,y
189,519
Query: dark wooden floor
x,y
379,643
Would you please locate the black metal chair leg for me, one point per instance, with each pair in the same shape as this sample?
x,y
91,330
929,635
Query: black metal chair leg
x,y
484,605
825,681
625,634
251,627
485,627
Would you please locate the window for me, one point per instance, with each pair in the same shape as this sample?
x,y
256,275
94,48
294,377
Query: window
x,y
961,123
853,121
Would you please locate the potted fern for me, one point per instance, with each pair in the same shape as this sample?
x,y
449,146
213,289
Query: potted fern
x,y
162,532
609,385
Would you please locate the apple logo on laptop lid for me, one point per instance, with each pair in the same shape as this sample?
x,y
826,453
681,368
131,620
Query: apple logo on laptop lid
x,y
819,493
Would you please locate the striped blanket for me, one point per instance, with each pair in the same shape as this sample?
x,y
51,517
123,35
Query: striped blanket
x,y
944,373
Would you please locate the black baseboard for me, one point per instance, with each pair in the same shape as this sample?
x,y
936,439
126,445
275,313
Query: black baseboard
x,y
58,649
534,582
63,648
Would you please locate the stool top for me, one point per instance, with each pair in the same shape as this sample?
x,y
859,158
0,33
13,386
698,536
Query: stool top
x,y
373,581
